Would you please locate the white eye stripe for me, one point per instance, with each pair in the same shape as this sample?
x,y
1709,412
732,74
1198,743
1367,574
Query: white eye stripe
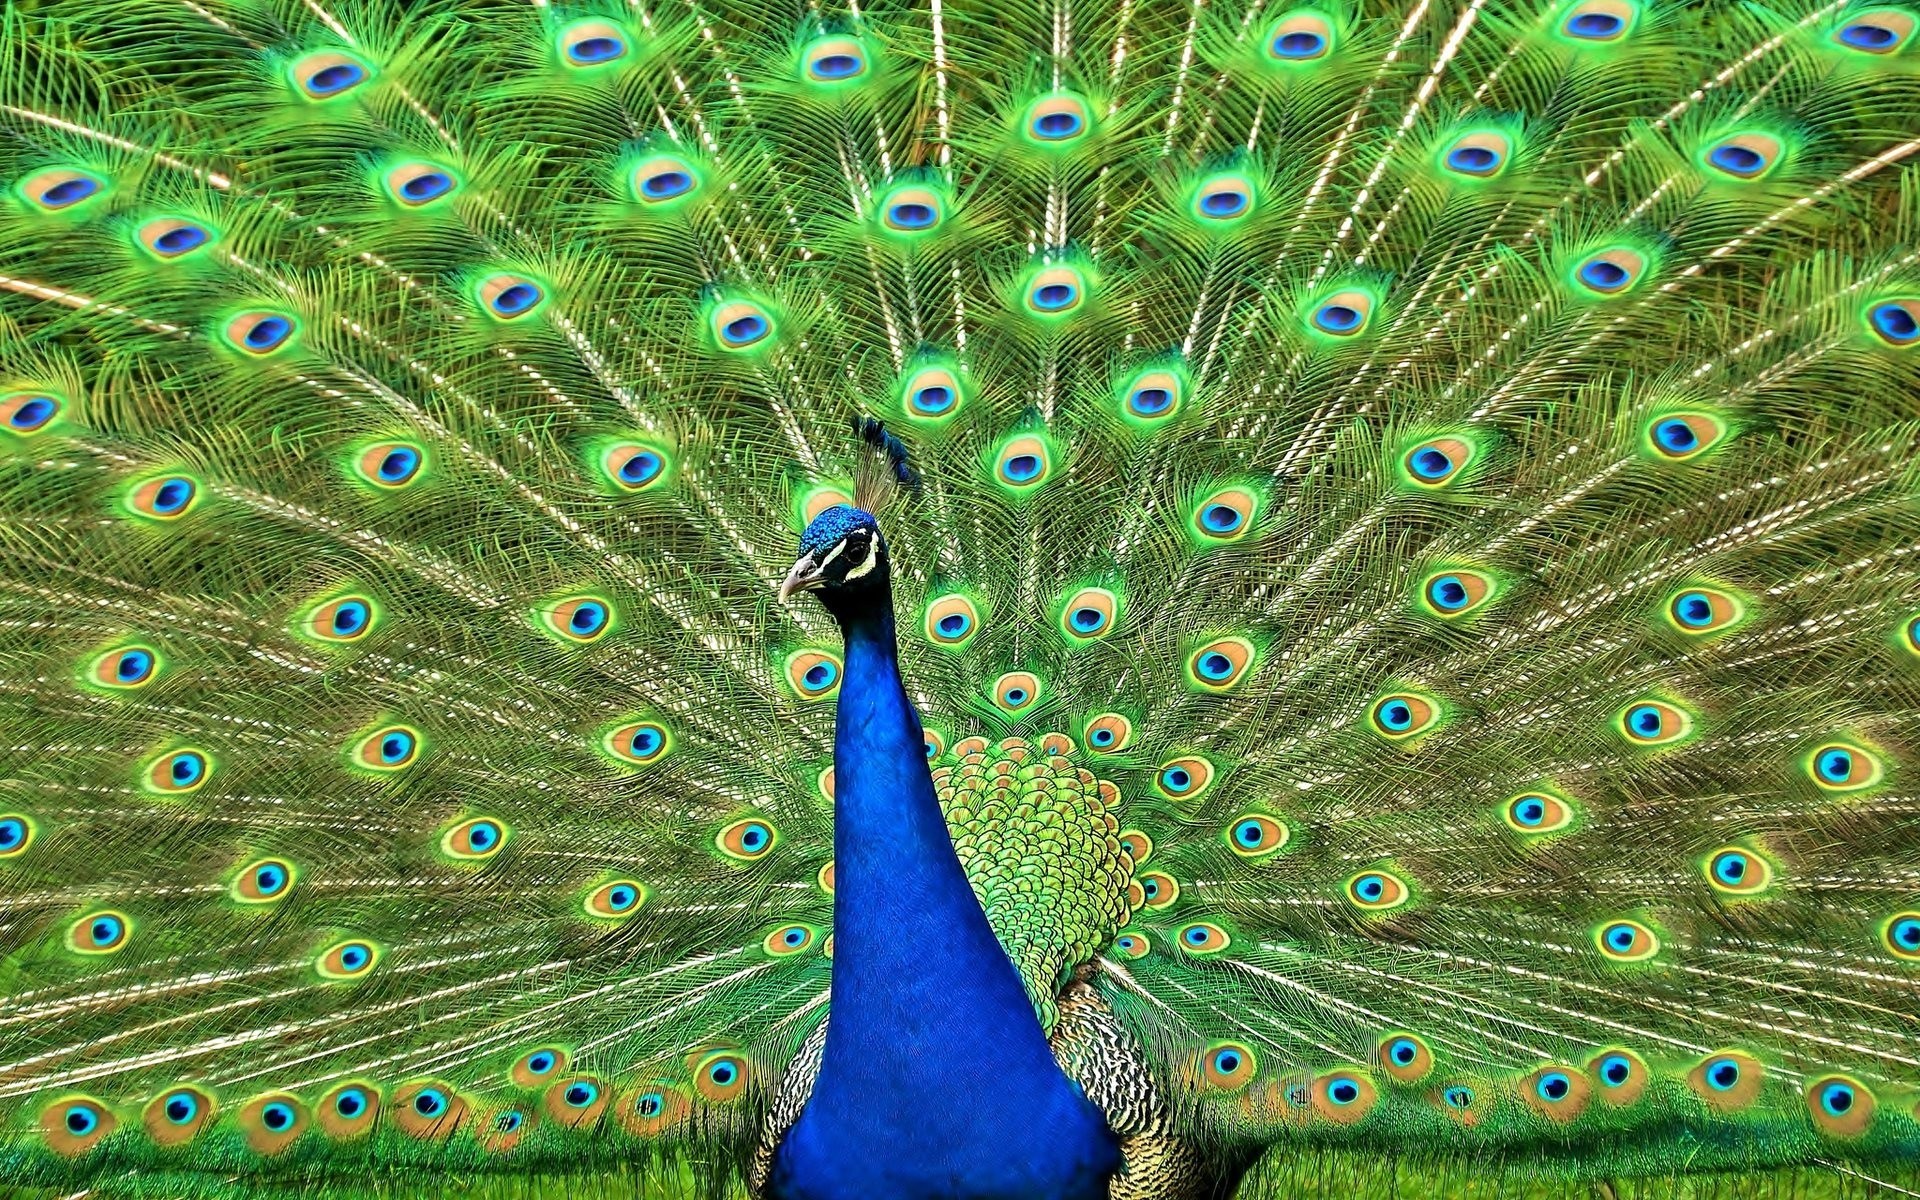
x,y
866,565
833,554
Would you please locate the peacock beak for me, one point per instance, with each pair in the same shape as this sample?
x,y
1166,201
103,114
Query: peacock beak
x,y
805,576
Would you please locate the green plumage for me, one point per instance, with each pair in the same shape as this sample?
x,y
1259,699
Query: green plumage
x,y
1484,438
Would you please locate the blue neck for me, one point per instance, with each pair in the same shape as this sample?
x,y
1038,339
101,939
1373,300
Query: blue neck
x,y
935,1066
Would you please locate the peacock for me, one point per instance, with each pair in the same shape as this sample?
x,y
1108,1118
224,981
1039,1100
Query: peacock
x,y
957,598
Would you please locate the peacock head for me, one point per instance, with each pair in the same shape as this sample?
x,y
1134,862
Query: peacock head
x,y
843,557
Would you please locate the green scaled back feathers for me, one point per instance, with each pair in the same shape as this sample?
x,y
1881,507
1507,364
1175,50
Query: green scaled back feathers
x,y
1450,468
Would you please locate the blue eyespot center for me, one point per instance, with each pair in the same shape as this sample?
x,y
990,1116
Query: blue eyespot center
x,y
646,742
1151,889
1595,25
276,1117
1472,159
1646,720
1431,463
1906,932
1016,695
1836,1099
1730,868
133,666
1227,1062
1221,518
836,66
1087,620
540,1063
1223,204
587,618
1396,714
172,496
1176,779
1554,1085
594,50
269,879
350,1103
753,837
1053,296
69,191
1458,1097
1737,159
1403,1052
1621,938
429,1102
331,80
180,239
426,186
508,1121
1101,737
1836,766
396,747
181,1108
1197,936
819,675
1216,666
650,1104
13,831
641,467
185,768
104,931
1530,812
399,464
267,333
1615,1070
1694,609
745,329
1865,36
1723,1074
621,898
912,215
1148,401
515,299
1370,887
1343,1091
935,399
666,185
1299,44
1339,318
1603,275
954,624
1895,323
355,956
1676,435
1249,834
33,413
81,1121
580,1095
722,1073
1056,125
1022,467
349,618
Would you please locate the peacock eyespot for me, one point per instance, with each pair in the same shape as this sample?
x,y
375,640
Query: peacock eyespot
x,y
1229,1066
17,831
1557,1093
1058,120
509,296
747,840
616,900
1016,691
1055,291
789,939
1841,1107
258,334
1131,945
1844,767
389,748
475,840
328,75
1158,889
178,772
1476,156
835,60
1895,322
633,466
912,210
1342,1097
813,674
1377,891
1458,1096
1203,938
101,932
272,1122
1745,156
1621,1075
62,189
263,882
1089,613
660,180
389,466
1678,437
592,44
1610,272
1535,813
419,184
740,325
166,498
951,621
124,668
1598,21
29,412
346,619
1738,872
1299,37
578,619
1654,723
1184,778
1402,716
1344,314
1728,1081
1878,32
1437,462
1455,592
1696,611
347,960
1225,516
1626,941
169,238
1109,733
1405,1058
176,1116
1152,396
1256,835
576,1103
721,1077
1901,936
